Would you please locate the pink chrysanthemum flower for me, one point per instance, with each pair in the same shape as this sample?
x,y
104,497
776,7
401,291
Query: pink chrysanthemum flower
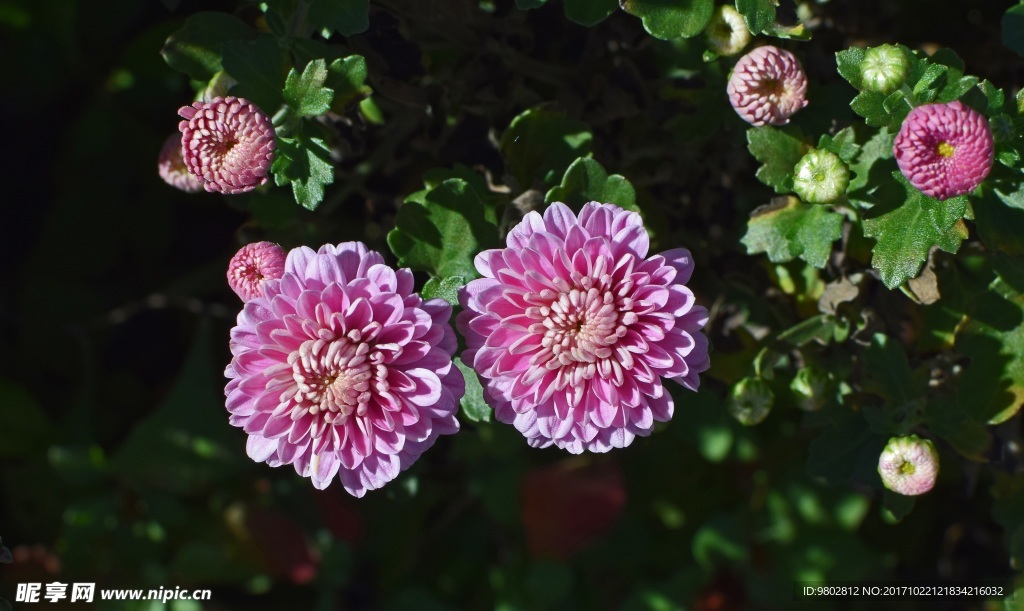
x,y
573,326
909,465
340,369
944,150
252,266
767,86
171,167
228,143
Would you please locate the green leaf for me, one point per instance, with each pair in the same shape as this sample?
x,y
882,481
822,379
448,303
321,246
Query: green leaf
x,y
586,181
541,142
305,163
670,19
758,14
306,92
1000,220
440,231
195,49
260,67
790,228
899,506
844,144
878,147
848,64
991,387
888,370
24,426
346,17
779,152
871,106
347,77
447,289
846,450
589,12
906,231
474,408
1013,29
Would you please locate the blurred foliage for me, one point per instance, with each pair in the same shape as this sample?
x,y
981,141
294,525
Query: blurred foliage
x,y
426,128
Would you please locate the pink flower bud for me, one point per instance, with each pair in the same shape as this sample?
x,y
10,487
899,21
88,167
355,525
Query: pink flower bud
x,y
252,266
171,167
944,150
228,143
909,465
767,86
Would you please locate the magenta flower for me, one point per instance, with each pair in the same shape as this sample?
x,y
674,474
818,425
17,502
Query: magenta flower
x,y
340,369
944,150
767,86
171,167
228,143
252,266
572,328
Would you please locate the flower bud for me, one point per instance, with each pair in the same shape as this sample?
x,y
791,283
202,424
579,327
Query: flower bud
x,y
767,86
810,387
820,177
909,465
252,266
751,401
171,167
944,150
883,69
727,33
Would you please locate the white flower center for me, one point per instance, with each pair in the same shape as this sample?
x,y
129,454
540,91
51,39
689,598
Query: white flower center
x,y
332,378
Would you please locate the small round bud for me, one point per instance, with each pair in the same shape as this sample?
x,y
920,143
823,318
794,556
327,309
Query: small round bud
x,y
228,143
810,387
909,465
171,167
944,150
883,69
767,86
820,177
727,33
751,401
252,266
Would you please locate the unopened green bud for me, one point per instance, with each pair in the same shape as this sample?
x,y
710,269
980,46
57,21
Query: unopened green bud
x,y
820,177
810,386
883,69
751,401
727,33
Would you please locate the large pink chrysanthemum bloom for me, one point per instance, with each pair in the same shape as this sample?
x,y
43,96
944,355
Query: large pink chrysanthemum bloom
x,y
767,86
909,465
944,150
252,266
171,167
340,369
573,326
228,143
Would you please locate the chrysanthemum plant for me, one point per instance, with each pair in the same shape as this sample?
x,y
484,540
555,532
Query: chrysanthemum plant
x,y
870,204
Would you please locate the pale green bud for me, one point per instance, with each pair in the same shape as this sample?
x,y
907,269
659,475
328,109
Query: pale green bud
x,y
883,69
727,33
820,177
751,401
810,386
